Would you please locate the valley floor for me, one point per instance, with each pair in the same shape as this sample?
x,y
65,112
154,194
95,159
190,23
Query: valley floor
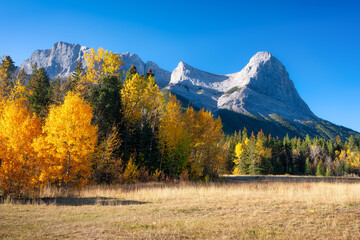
x,y
240,209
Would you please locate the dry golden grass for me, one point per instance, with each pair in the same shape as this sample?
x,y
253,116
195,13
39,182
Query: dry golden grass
x,y
245,210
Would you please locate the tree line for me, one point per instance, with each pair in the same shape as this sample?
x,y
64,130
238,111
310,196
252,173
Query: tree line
x,y
101,126
95,128
268,155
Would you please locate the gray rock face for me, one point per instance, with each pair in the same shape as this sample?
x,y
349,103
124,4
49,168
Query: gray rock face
x,y
62,58
162,76
262,88
59,61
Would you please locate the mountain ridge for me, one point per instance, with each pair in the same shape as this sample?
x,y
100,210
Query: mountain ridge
x,y
262,90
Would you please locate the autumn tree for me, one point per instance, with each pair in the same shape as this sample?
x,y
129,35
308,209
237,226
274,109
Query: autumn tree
x,y
99,65
207,150
142,107
252,155
174,141
67,143
19,166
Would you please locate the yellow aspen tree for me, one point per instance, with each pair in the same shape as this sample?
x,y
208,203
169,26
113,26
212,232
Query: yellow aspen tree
x,y
142,106
99,65
239,161
173,138
352,159
67,143
19,166
142,100
207,148
172,128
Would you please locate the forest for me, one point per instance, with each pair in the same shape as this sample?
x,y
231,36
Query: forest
x,y
101,126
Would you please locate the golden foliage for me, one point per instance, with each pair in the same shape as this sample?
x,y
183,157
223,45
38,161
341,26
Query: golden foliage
x,y
207,154
99,65
172,128
19,168
142,100
69,140
131,172
251,155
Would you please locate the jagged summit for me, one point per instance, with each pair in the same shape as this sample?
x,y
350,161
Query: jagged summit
x,y
260,96
59,61
261,88
259,57
62,58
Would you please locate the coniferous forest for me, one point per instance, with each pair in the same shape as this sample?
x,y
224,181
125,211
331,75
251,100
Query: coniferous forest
x,y
101,126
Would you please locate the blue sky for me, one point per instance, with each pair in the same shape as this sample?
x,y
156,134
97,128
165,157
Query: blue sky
x,y
317,41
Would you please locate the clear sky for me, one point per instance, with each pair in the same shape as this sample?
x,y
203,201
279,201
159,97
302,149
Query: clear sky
x,y
317,41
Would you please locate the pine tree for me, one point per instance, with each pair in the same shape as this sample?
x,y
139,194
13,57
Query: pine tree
x,y
328,172
307,167
131,72
7,69
75,76
106,102
149,73
320,170
39,91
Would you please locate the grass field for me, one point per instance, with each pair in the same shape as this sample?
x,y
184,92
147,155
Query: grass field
x,y
265,208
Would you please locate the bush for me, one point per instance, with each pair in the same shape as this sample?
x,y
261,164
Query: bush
x,y
131,172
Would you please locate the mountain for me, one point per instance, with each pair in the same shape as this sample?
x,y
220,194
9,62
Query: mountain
x,y
260,96
62,58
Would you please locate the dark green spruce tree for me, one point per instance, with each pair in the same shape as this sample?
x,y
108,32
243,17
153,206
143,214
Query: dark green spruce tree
x,y
106,102
149,73
75,76
131,72
39,91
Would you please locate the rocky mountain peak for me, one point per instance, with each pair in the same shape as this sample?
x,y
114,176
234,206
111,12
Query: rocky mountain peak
x,y
62,58
58,61
260,57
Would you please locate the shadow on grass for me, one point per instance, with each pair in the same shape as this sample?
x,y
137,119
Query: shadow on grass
x,y
72,201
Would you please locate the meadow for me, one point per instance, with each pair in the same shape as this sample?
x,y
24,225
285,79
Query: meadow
x,y
242,208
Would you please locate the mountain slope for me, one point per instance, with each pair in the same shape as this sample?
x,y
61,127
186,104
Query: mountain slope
x,y
260,96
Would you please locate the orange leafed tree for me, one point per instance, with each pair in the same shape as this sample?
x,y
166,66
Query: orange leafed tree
x,y
19,167
69,140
